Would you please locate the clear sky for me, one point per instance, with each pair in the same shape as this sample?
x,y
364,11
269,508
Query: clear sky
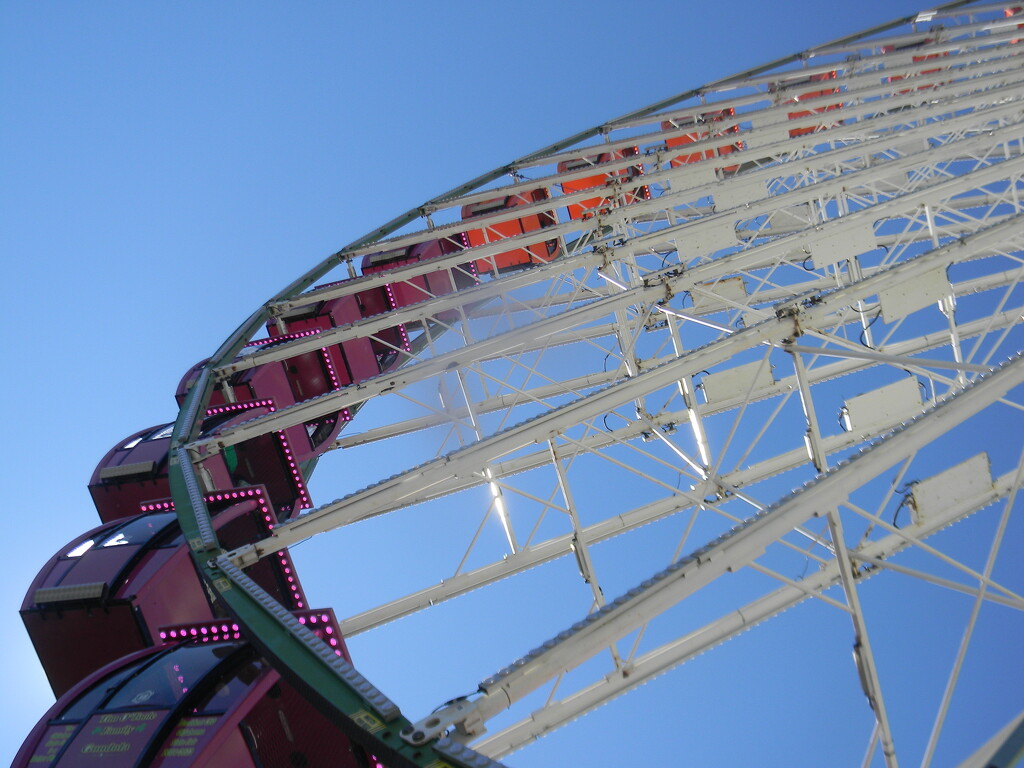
x,y
168,166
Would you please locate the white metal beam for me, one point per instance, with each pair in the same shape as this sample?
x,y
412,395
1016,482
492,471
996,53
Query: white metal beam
x,y
736,548
663,658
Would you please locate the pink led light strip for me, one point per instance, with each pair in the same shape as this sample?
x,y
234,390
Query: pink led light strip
x,y
300,485
322,625
330,369
205,632
401,326
319,623
240,494
293,585
284,337
245,406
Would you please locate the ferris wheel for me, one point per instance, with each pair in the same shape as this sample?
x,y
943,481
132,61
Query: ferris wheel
x,y
806,274
596,413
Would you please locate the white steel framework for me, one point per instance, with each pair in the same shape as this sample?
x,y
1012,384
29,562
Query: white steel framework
x,y
822,290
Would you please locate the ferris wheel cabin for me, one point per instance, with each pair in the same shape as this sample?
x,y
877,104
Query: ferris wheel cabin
x,y
214,703
820,77
919,59
698,128
109,592
538,253
135,471
584,209
356,359
423,287
277,385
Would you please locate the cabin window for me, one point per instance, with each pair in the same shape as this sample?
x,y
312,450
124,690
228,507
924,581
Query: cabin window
x,y
81,549
169,677
84,705
141,530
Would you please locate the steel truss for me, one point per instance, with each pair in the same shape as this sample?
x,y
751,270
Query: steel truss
x,y
826,293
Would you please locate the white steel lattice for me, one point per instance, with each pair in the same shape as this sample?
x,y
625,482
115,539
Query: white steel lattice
x,y
816,280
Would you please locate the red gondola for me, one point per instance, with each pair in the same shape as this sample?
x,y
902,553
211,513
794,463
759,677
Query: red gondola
x,y
821,77
110,591
215,703
135,471
918,59
586,208
1009,13
277,385
705,126
357,359
423,287
538,253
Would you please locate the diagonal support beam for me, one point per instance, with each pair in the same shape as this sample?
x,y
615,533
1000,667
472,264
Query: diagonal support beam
x,y
862,653
733,550
663,658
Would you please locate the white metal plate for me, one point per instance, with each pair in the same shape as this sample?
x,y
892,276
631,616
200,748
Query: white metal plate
x,y
911,295
884,407
950,488
736,382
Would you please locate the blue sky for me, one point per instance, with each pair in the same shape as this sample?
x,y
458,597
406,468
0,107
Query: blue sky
x,y
168,166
